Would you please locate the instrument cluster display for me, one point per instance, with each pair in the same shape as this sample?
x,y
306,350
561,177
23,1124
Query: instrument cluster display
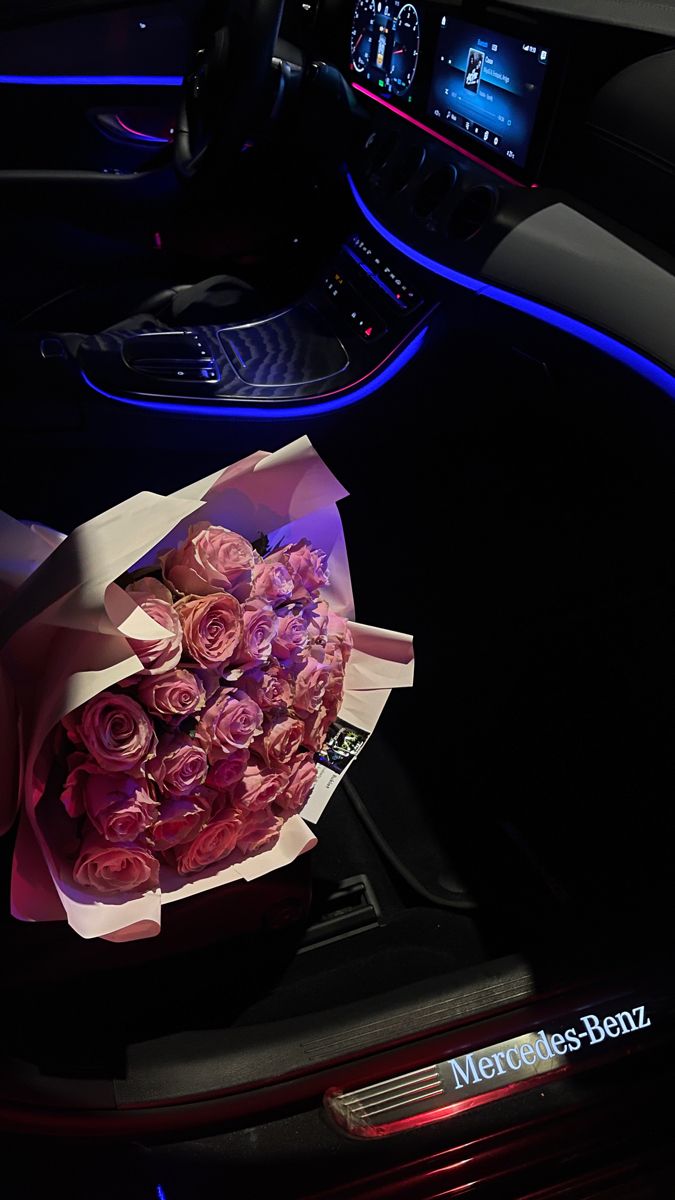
x,y
385,45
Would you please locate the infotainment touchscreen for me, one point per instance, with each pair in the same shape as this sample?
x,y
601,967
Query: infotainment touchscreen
x,y
488,85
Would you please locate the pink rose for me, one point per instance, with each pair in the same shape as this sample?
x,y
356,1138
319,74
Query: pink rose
x,y
120,807
291,637
316,729
259,630
117,731
272,582
335,689
80,767
258,788
212,628
229,723
158,654
310,687
214,842
305,565
316,616
280,742
121,868
270,688
174,695
340,640
181,819
180,765
259,832
211,559
298,786
228,770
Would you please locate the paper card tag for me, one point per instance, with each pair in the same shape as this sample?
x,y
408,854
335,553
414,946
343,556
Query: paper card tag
x,y
343,744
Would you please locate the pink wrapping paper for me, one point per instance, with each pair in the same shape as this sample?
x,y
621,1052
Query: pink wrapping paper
x,y
64,630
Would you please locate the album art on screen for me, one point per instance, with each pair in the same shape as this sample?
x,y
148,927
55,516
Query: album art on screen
x,y
474,67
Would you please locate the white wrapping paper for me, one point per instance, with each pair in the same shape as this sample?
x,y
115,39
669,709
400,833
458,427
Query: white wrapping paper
x,y
64,630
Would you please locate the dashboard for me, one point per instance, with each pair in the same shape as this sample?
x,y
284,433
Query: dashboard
x,y
487,83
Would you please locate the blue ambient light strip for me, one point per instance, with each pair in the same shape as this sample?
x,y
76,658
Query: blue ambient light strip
x,y
279,412
94,80
637,362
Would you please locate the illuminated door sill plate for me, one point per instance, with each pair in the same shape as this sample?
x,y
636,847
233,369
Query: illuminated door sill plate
x,y
478,1076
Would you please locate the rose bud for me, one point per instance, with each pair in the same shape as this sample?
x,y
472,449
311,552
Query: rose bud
x,y
174,695
229,723
310,687
181,819
211,559
120,807
212,628
280,742
228,770
117,731
259,832
260,625
213,843
120,868
297,787
258,788
179,766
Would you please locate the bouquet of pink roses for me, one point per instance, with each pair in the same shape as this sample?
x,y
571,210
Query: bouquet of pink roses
x,y
184,686
203,755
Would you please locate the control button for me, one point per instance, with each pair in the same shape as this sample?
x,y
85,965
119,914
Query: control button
x,y
176,357
386,277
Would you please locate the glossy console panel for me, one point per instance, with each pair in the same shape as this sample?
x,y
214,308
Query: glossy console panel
x,y
364,311
291,349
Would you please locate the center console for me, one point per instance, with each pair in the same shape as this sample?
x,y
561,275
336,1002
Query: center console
x,y
327,350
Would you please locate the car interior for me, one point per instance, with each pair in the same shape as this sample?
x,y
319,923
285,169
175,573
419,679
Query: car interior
x,y
436,237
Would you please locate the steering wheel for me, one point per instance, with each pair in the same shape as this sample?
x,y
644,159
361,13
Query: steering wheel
x,y
227,89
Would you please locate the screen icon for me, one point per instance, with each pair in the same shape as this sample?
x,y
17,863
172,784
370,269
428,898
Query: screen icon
x,y
543,56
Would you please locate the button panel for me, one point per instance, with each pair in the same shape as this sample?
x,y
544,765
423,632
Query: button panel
x,y
384,275
174,357
360,316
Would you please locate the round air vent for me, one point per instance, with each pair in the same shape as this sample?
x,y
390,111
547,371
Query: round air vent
x,y
378,149
434,190
404,165
474,211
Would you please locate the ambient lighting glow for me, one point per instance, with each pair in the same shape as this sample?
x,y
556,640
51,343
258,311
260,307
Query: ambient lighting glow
x,y
279,412
144,137
160,1192
439,136
604,342
94,80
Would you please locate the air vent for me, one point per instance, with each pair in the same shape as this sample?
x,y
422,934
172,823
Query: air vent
x,y
473,212
378,148
434,190
405,164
